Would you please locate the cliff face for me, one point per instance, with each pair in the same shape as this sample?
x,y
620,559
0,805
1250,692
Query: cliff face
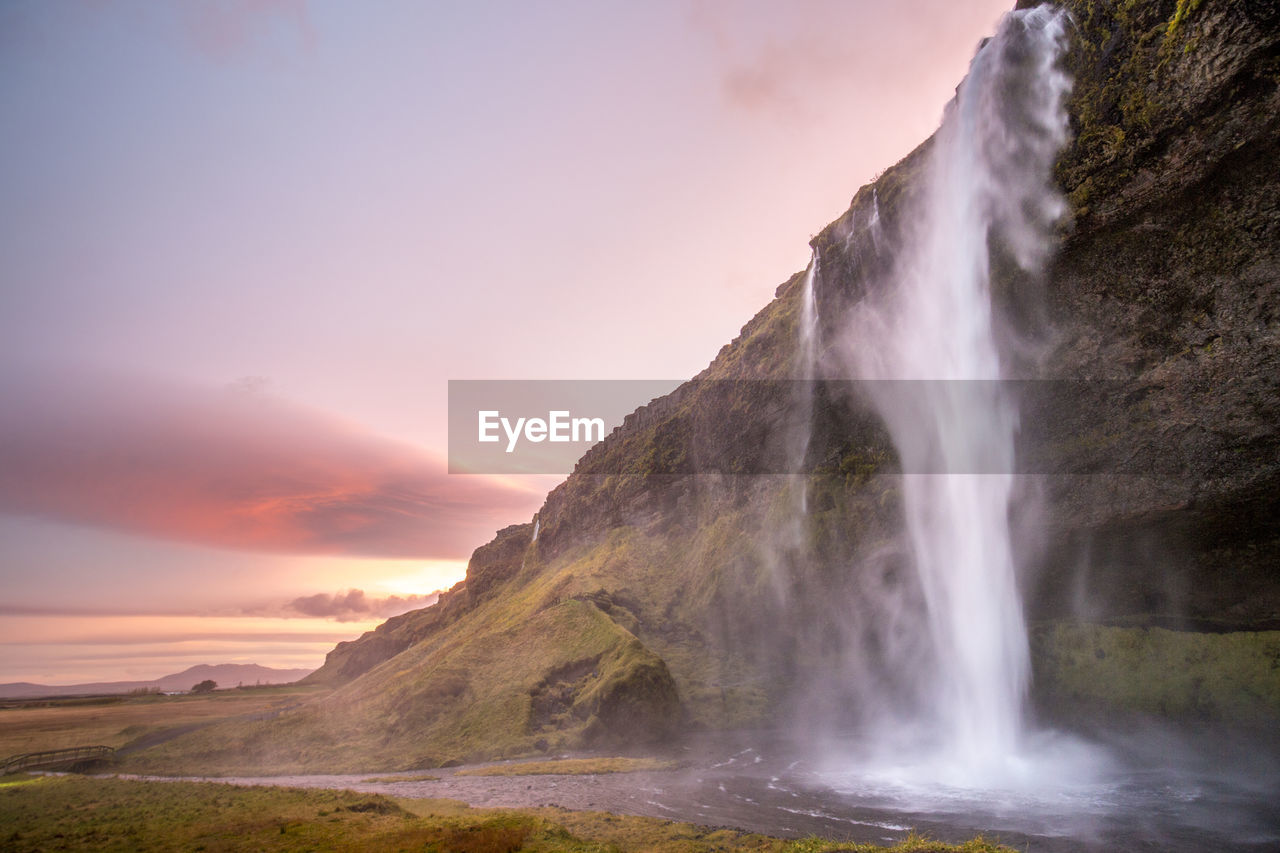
x,y
1169,287
667,589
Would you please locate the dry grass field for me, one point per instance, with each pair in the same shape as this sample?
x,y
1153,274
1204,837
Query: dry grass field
x,y
35,725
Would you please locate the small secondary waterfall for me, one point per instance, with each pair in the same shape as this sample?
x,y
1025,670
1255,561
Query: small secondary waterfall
x,y
809,321
954,426
807,356
537,525
873,228
873,221
786,538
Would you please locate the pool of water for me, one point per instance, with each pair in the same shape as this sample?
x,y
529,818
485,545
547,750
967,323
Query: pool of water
x,y
1138,790
1147,789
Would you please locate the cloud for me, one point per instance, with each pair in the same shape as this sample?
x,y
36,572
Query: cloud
x,y
233,468
225,28
116,635
811,58
353,605
774,81
786,68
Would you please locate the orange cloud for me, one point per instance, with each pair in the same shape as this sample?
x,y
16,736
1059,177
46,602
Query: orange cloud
x,y
234,469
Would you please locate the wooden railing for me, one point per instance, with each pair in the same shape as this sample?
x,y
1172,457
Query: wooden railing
x,y
55,758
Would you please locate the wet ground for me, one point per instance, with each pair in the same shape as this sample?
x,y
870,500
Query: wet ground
x,y
1150,795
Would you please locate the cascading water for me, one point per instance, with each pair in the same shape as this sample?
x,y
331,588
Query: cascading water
x,y
809,321
537,525
807,352
787,534
954,427
873,228
873,222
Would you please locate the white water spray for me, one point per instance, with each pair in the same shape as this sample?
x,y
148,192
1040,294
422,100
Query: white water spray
x,y
988,179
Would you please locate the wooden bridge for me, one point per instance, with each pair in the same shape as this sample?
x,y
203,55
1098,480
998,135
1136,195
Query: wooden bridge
x,y
51,759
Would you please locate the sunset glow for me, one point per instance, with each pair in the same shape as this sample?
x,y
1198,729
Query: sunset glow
x,y
75,649
417,575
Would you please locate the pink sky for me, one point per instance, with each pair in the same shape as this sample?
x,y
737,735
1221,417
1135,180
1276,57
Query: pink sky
x,y
245,244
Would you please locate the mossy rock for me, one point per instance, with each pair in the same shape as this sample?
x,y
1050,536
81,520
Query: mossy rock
x,y
1174,674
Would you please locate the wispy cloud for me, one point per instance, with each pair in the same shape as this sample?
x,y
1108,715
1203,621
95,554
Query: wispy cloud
x,y
353,605
813,58
225,28
234,469
779,72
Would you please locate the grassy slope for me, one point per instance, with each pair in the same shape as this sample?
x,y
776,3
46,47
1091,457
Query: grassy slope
x,y
110,814
465,692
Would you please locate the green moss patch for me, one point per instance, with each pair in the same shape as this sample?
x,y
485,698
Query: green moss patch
x,y
1180,674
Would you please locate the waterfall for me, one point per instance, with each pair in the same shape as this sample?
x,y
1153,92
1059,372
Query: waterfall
x,y
807,354
873,222
787,537
873,229
537,525
987,181
808,337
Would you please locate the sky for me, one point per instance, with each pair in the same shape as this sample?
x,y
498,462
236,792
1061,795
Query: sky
x,y
245,244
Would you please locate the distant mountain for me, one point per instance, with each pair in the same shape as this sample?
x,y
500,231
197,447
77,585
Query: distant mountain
x,y
225,674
